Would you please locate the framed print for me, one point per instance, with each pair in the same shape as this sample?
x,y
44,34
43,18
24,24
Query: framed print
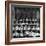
x,y
24,22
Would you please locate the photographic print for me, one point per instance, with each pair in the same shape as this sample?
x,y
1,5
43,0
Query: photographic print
x,y
25,22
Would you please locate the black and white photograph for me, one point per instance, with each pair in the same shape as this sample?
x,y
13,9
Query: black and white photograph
x,y
25,22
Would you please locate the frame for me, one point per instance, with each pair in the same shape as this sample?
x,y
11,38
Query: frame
x,y
9,12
